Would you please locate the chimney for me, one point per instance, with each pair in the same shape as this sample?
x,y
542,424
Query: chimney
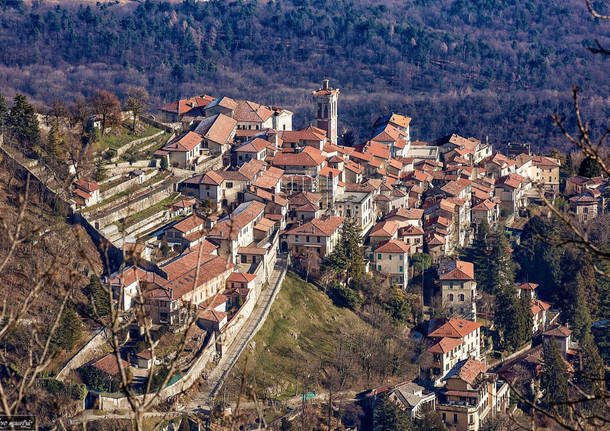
x,y
325,84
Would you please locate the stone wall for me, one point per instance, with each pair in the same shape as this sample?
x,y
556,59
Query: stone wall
x,y
84,354
127,184
122,150
127,208
109,403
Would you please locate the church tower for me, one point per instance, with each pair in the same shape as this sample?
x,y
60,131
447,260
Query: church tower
x,y
325,102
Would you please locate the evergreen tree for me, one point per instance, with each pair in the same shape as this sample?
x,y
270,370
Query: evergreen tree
x,y
554,378
480,256
501,268
98,298
591,371
164,164
54,142
579,316
4,113
100,170
69,330
523,316
389,417
589,168
505,318
348,255
23,125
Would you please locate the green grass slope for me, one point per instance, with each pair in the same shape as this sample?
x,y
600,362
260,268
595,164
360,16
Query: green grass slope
x,y
302,331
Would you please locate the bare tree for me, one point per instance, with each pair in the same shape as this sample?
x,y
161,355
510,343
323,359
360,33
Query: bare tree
x,y
107,105
137,102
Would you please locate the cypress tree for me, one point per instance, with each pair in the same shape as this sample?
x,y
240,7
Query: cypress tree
x,y
523,316
554,378
580,318
480,252
591,371
501,267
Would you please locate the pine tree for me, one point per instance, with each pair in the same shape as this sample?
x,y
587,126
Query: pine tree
x,y
348,255
23,125
389,417
554,378
69,330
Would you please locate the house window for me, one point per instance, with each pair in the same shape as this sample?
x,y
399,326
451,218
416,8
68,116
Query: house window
x,y
461,297
400,268
378,256
444,417
371,256
451,297
455,418
229,185
390,256
471,419
401,257
378,267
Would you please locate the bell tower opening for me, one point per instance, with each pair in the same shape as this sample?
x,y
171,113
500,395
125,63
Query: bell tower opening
x,y
325,100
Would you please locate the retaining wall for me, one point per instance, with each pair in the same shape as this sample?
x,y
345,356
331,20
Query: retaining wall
x,y
107,402
127,184
80,358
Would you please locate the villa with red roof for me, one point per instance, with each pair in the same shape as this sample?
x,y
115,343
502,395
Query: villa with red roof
x,y
320,235
458,288
392,259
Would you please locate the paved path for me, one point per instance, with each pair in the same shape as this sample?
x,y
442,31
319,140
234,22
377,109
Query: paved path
x,y
218,375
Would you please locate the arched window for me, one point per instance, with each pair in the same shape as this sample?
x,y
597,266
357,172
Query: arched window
x,y
451,297
461,296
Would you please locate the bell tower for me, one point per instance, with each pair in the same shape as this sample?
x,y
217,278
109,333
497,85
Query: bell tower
x,y
325,103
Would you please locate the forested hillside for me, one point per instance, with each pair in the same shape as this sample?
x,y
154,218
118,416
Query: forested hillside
x,y
480,67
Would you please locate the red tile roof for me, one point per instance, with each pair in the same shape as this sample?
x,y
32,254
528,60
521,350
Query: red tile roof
x,y
183,106
558,331
445,345
185,143
527,286
323,226
386,228
254,146
240,277
455,328
393,246
86,185
471,370
251,112
189,223
456,270
109,364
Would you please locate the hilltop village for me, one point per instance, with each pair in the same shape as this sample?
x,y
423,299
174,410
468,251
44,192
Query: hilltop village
x,y
222,196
